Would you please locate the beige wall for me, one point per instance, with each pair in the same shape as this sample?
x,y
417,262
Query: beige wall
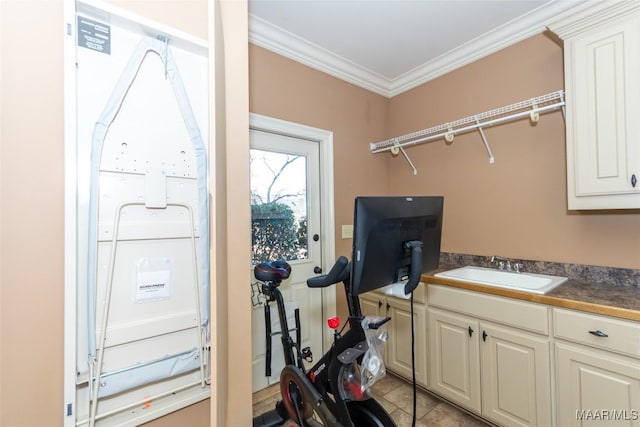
x,y
284,89
516,207
287,90
31,228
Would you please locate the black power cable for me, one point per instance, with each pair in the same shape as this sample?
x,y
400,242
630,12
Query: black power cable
x,y
413,365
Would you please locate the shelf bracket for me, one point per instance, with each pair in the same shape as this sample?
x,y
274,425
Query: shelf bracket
x,y
492,159
406,156
396,149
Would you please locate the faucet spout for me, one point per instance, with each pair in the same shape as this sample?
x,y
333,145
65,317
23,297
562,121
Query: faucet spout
x,y
499,262
506,265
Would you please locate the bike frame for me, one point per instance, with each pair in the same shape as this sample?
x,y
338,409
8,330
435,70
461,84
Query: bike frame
x,y
317,390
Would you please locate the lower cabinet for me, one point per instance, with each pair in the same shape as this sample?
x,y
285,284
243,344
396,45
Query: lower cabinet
x,y
516,377
397,353
399,344
373,304
499,372
493,356
596,388
454,361
597,369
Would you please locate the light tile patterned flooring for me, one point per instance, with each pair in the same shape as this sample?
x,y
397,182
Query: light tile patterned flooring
x,y
396,395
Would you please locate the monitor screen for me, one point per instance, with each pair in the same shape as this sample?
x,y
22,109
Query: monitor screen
x,y
382,226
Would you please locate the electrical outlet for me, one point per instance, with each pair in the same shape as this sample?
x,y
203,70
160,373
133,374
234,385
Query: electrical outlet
x,y
347,231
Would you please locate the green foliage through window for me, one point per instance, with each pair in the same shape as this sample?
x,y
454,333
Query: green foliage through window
x,y
275,233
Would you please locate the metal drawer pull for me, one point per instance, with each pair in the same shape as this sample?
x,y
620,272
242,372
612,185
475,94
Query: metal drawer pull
x,y
598,333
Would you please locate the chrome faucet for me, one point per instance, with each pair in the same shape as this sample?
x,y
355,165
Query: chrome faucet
x,y
504,264
500,262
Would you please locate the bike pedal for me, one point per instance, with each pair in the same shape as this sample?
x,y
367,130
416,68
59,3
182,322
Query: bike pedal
x,y
307,355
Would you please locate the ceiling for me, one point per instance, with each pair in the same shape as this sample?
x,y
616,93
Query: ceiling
x,y
390,46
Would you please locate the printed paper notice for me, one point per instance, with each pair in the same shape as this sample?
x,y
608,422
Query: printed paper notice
x,y
153,285
94,35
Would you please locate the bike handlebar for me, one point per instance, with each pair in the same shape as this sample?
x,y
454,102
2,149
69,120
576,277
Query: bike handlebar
x,y
338,273
416,265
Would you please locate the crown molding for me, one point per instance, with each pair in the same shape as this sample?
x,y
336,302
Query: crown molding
x,y
282,42
594,14
264,34
493,41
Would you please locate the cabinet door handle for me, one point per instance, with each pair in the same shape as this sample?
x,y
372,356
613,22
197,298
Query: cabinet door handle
x,y
388,306
484,336
598,333
379,303
634,181
470,331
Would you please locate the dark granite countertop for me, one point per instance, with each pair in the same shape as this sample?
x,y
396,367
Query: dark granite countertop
x,y
600,298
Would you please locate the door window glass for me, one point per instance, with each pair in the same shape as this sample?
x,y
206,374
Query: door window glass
x,y
278,206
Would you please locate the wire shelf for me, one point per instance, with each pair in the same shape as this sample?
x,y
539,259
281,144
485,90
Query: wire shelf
x,y
530,107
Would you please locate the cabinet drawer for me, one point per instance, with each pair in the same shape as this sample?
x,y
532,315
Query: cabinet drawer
x,y
525,315
603,332
420,293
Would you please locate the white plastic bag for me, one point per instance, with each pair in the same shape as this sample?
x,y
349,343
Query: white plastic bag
x,y
373,367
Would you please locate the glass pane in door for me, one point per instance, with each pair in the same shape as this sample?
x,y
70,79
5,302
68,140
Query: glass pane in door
x,y
278,206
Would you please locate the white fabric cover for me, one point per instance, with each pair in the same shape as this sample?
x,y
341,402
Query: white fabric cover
x,y
173,365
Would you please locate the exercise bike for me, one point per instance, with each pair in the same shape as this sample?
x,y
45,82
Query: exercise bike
x,y
330,393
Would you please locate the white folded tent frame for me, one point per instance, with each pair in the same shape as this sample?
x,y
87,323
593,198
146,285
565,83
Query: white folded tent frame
x,y
531,108
141,281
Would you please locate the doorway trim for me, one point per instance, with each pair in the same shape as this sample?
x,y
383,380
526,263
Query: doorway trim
x,y
324,138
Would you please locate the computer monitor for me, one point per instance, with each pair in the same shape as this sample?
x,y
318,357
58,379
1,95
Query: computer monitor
x,y
382,227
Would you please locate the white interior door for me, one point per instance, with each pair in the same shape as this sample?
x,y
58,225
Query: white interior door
x,y
285,192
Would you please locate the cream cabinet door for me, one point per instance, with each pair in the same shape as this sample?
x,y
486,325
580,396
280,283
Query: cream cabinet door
x,y
454,358
516,377
603,105
372,304
399,344
596,388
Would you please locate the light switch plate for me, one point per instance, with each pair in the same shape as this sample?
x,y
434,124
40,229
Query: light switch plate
x,y
347,231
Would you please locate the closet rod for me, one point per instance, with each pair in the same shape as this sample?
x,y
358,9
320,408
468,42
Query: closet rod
x,y
531,107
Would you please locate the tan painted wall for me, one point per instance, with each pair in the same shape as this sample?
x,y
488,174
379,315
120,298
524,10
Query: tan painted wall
x,y
284,89
287,90
31,200
516,207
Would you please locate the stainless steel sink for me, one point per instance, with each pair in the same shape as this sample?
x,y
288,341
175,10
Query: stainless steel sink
x,y
526,282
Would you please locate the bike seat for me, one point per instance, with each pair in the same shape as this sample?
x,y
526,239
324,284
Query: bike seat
x,y
272,271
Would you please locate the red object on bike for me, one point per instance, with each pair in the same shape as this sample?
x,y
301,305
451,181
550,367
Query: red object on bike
x,y
356,390
333,322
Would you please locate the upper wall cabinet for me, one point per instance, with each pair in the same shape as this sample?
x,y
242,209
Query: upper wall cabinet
x,y
602,84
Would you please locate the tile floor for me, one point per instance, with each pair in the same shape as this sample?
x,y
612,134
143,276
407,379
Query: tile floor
x,y
396,395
